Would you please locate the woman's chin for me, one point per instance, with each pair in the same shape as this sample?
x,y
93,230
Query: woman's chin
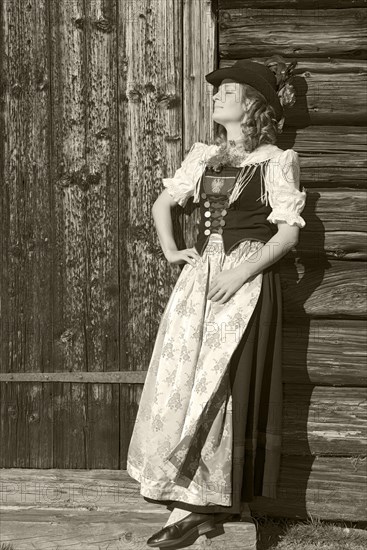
x,y
217,118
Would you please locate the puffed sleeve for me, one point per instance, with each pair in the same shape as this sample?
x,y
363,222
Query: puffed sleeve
x,y
182,185
285,196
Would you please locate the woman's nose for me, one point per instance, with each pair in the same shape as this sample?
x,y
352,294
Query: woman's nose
x,y
218,98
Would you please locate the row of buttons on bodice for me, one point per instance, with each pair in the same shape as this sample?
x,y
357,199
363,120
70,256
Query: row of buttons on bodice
x,y
216,186
215,209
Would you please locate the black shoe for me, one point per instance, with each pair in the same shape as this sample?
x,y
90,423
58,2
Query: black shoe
x,y
223,516
180,531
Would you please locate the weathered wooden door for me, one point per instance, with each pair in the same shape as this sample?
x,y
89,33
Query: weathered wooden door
x,y
99,100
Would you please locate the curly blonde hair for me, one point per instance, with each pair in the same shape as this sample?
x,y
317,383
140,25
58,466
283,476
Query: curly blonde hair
x,y
259,124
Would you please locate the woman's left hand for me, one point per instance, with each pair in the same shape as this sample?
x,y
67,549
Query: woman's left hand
x,y
225,284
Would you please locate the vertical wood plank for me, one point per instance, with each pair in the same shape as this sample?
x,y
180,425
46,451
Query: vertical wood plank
x,y
102,210
71,180
199,58
150,73
85,172
26,231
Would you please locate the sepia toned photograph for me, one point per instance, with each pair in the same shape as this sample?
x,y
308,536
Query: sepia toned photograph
x,y
183,305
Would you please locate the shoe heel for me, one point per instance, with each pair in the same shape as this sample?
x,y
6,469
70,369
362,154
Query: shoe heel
x,y
206,527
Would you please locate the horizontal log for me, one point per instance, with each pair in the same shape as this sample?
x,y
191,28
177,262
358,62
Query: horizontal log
x,y
287,4
328,487
328,91
345,245
325,352
323,289
333,210
334,171
252,32
329,155
325,140
324,420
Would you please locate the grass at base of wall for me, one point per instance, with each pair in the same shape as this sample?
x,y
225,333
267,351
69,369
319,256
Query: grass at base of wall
x,y
311,534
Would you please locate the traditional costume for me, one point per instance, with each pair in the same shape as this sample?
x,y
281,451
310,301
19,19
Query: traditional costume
x,y
207,434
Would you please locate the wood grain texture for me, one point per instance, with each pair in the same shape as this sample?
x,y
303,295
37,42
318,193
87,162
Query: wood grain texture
x,y
324,140
328,289
324,245
86,209
325,352
286,4
329,210
27,286
319,420
326,487
86,279
334,171
109,531
330,155
89,530
253,32
83,72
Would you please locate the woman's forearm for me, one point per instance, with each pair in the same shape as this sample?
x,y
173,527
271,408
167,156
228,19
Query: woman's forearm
x,y
271,252
161,212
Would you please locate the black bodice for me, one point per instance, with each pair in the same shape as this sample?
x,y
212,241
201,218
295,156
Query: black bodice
x,y
244,218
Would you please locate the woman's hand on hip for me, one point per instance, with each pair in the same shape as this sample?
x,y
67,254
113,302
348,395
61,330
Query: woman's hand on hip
x,y
189,255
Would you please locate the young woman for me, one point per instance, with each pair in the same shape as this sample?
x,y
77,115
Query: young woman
x,y
207,436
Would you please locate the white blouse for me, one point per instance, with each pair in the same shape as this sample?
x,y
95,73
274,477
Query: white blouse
x,y
281,178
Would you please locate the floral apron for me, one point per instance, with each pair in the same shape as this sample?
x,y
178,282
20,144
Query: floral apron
x,y
181,446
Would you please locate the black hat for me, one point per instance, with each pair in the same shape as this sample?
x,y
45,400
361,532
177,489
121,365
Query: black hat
x,y
256,75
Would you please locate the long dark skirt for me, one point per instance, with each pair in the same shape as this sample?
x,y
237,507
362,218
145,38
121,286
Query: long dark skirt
x,y
256,386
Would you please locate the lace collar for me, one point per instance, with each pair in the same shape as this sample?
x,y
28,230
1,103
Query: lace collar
x,y
259,157
264,152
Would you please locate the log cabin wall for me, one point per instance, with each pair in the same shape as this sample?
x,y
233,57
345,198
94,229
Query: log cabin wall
x,y
323,466
100,99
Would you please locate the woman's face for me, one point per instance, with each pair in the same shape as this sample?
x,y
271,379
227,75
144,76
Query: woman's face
x,y
228,106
